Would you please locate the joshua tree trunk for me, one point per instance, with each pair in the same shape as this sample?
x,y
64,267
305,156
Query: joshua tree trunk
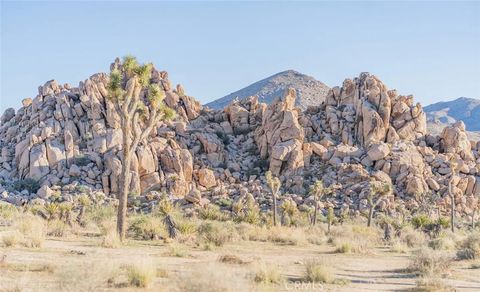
x,y
125,179
452,213
370,215
473,219
274,209
315,213
81,214
171,226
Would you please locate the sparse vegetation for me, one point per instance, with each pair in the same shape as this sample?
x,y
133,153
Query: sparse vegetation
x,y
141,274
316,271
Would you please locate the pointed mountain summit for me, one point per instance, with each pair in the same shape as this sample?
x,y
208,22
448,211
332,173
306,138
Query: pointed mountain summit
x,y
309,90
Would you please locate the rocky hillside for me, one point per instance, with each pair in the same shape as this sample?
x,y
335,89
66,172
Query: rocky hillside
x,y
309,91
67,137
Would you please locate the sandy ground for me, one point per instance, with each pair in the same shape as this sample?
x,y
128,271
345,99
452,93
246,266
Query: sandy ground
x,y
80,264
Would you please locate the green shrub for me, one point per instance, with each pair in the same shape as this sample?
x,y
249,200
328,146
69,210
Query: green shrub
x,y
216,233
82,161
28,184
420,221
212,212
147,227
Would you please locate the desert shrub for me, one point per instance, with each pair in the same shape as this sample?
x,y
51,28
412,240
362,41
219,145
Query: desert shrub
x,y
316,271
442,243
286,236
412,238
216,233
267,274
7,211
28,184
147,227
420,221
427,262
186,226
469,248
344,247
100,213
230,259
212,212
432,284
355,238
57,228
33,229
111,239
141,274
12,239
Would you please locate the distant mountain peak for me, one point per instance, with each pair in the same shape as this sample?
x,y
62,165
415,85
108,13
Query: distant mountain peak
x,y
463,108
309,90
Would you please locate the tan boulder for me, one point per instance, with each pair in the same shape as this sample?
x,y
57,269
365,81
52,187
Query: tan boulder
x,y
206,178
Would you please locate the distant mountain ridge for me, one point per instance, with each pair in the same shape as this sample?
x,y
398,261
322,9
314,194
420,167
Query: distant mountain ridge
x,y
448,112
445,113
309,90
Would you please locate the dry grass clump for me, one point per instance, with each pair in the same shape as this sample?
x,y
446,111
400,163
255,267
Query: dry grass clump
x,y
216,233
267,274
432,284
212,278
57,228
147,227
32,229
355,238
30,267
411,237
286,236
318,272
88,276
469,248
110,237
12,238
141,274
442,243
231,259
177,250
428,262
7,213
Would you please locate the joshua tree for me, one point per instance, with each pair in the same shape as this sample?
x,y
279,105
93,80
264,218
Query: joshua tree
x,y
274,185
51,209
330,217
84,201
318,191
377,191
139,103
451,193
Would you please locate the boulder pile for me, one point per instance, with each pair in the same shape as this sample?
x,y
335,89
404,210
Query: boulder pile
x,y
71,136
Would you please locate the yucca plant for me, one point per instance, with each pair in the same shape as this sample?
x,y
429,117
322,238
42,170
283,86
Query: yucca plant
x,y
51,210
66,212
166,208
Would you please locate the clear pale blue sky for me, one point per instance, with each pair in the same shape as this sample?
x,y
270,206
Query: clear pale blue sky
x,y
429,49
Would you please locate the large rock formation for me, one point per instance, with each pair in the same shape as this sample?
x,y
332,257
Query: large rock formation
x,y
71,136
